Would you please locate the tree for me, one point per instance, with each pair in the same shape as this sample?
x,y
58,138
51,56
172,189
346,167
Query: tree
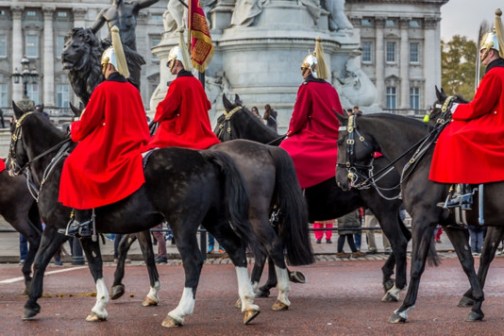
x,y
458,66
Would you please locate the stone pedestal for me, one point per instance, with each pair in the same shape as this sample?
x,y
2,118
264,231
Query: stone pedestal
x,y
261,62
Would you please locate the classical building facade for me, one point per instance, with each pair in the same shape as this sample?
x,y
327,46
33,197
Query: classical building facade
x,y
399,40
37,29
401,50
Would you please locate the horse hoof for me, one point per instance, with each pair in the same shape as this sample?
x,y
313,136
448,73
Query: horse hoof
x,y
170,322
95,318
465,302
387,285
31,311
117,291
396,318
297,277
388,297
262,293
475,316
278,305
238,303
148,302
249,315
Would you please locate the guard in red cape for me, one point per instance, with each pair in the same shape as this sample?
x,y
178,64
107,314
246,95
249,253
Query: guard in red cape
x,y
2,165
313,130
470,149
183,114
106,165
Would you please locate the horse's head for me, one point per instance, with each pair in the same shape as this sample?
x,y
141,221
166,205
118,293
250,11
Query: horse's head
x,y
32,132
355,152
226,129
81,57
441,109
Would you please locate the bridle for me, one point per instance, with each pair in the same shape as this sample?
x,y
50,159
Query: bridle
x,y
354,169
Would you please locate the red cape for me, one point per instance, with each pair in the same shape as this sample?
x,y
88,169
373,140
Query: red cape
x,y
2,165
313,132
106,165
471,148
183,116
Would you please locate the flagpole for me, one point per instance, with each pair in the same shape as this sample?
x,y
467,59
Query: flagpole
x,y
189,25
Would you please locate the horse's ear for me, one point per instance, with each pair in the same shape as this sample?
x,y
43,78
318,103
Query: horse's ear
x,y
440,94
238,101
227,104
76,111
17,111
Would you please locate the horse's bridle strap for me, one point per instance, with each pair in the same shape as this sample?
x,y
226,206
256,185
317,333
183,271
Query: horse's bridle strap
x,y
229,114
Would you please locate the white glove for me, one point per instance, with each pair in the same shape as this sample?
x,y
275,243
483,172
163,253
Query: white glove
x,y
453,108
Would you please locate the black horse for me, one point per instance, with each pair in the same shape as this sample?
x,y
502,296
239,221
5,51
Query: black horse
x,y
408,143
19,209
327,201
187,188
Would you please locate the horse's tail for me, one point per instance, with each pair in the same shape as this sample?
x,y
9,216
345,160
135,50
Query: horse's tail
x,y
235,195
293,223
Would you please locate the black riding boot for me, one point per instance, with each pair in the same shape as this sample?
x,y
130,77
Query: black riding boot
x,y
80,224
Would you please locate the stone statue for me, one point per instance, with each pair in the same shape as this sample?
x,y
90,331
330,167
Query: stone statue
x,y
313,7
354,84
173,17
337,18
246,11
124,16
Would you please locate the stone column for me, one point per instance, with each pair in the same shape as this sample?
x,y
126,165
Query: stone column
x,y
404,65
48,57
432,61
17,49
380,62
79,15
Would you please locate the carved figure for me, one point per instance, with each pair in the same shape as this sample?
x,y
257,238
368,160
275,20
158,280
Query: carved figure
x,y
124,16
337,18
173,17
246,11
354,85
313,7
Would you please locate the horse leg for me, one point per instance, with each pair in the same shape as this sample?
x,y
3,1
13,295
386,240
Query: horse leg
x,y
145,241
422,236
264,290
51,241
95,263
192,260
398,259
459,238
388,271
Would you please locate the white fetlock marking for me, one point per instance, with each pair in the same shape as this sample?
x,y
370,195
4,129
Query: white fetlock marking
x,y
185,306
395,292
403,314
283,285
154,292
102,298
245,290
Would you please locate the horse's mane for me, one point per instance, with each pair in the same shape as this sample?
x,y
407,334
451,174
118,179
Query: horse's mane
x,y
85,68
398,118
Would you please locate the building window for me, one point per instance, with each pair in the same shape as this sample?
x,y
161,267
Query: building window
x,y
367,52
61,14
4,95
391,52
157,18
60,44
31,46
390,23
414,98
3,45
391,98
415,23
31,13
367,22
33,92
62,95
414,52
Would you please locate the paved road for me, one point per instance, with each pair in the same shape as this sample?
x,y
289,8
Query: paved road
x,y
340,298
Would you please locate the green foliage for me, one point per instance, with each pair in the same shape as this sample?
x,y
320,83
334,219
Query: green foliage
x,y
458,66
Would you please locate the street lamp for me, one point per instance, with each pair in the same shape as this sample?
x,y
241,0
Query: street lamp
x,y
27,75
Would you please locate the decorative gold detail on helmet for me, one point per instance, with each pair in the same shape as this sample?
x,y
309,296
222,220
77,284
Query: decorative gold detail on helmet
x,y
315,62
115,54
180,53
494,39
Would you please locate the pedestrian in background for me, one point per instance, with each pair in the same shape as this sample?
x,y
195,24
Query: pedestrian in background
x,y
321,228
348,225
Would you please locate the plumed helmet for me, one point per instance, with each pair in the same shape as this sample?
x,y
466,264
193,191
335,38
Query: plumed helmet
x,y
315,62
493,39
115,54
175,55
180,53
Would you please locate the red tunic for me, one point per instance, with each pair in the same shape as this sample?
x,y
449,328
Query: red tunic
x,y
2,165
313,132
471,148
183,116
106,165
